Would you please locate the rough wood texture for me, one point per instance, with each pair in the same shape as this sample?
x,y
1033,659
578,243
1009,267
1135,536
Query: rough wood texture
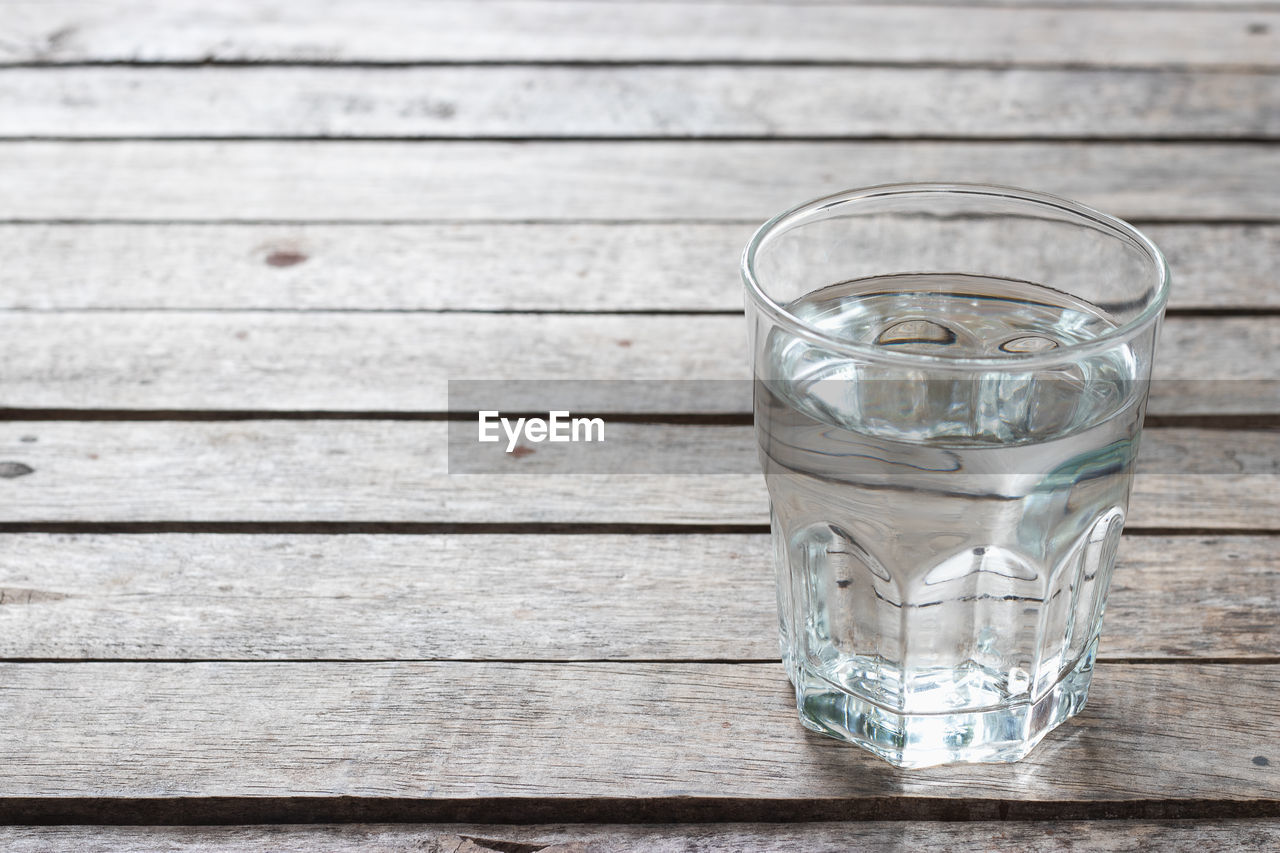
x,y
541,267
677,734
405,31
1015,837
1118,4
384,471
646,101
533,597
637,180
535,652
404,362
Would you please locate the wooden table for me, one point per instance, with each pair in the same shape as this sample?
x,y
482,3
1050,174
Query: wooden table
x,y
246,244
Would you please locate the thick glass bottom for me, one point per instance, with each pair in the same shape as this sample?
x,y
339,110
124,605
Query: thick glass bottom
x,y
992,735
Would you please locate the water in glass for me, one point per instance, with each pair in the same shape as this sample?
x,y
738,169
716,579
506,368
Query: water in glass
x,y
944,538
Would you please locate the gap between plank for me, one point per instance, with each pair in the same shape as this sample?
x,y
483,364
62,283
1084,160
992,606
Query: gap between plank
x,y
565,62
684,139
1208,311
214,415
615,221
467,528
1128,661
651,139
590,312
1224,422
195,811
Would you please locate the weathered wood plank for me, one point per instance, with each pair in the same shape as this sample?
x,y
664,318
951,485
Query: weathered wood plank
x,y
385,471
342,360
1190,4
1180,836
636,180
540,267
680,734
1119,4
403,362
405,31
533,597
677,102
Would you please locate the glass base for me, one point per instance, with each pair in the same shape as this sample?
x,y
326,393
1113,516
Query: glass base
x,y
994,735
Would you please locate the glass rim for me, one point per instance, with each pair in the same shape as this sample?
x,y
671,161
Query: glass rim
x,y
779,313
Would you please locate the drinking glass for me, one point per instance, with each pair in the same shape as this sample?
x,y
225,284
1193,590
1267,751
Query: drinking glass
x,y
950,383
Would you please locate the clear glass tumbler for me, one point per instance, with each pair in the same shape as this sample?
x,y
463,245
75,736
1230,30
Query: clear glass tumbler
x,y
950,383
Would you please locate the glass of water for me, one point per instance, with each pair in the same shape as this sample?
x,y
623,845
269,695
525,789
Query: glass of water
x,y
950,383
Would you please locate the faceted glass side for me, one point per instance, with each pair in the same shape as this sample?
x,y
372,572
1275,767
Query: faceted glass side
x,y
975,659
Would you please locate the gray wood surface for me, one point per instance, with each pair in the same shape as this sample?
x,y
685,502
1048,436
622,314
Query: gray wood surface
x,y
458,30
396,471
616,181
1104,4
211,615
538,267
531,597
673,102
679,733
403,362
951,837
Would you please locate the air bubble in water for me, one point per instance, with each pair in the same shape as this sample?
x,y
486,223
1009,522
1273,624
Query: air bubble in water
x,y
1029,343
916,332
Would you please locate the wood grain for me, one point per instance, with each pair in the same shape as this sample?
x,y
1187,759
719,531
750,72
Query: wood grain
x,y
637,180
404,31
452,735
673,102
388,471
1103,836
1119,4
530,597
378,362
488,267
472,675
